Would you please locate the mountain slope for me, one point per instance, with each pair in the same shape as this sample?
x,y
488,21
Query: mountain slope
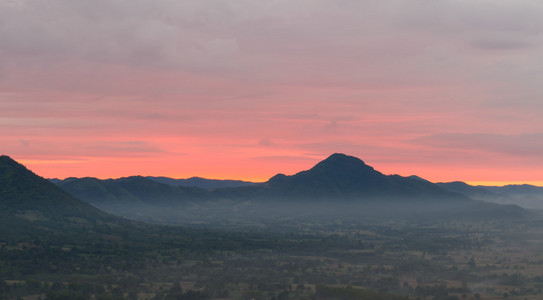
x,y
21,190
31,206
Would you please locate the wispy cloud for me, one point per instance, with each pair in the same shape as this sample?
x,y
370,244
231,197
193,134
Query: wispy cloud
x,y
519,145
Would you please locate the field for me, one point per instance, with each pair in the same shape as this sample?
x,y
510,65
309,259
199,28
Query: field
x,y
291,259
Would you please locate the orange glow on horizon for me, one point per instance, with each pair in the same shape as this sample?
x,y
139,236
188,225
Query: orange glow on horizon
x,y
502,183
246,169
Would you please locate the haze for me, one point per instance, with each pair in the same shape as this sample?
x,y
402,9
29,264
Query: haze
x,y
449,90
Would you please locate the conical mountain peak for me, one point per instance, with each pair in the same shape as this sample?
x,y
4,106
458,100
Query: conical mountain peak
x,y
343,176
339,174
342,163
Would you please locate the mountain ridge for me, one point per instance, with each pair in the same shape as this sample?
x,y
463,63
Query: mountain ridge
x,y
338,185
525,195
195,181
342,175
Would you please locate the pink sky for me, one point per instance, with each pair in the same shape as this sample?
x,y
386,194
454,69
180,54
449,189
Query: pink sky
x,y
448,90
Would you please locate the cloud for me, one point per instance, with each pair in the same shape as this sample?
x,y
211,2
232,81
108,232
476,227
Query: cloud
x,y
451,16
125,148
161,47
518,145
137,33
24,142
265,142
501,44
215,36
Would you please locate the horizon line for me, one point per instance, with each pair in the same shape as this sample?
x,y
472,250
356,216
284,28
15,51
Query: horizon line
x,y
259,179
472,183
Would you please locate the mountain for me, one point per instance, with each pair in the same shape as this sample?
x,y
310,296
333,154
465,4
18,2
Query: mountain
x,y
39,214
48,236
527,196
474,192
516,189
355,188
202,182
339,185
134,197
337,177
31,206
347,177
128,190
22,191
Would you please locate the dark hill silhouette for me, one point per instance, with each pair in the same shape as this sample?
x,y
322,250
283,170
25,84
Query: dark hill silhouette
x,y
343,176
33,207
130,195
345,185
21,190
526,196
198,182
474,192
338,185
46,233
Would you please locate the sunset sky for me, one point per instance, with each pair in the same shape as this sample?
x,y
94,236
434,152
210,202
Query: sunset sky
x,y
243,89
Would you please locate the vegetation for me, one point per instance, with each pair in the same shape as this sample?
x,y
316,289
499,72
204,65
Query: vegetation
x,y
480,260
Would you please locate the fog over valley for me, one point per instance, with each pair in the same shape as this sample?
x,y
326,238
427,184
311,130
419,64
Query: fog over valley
x,y
339,230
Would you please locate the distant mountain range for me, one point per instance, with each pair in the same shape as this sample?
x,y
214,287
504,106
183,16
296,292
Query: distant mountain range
x,y
128,190
524,195
527,196
200,182
338,185
339,177
45,230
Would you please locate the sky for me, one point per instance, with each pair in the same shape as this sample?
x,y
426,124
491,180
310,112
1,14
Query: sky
x,y
243,89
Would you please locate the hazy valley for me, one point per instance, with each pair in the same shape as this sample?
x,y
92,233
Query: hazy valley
x,y
340,230
339,187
